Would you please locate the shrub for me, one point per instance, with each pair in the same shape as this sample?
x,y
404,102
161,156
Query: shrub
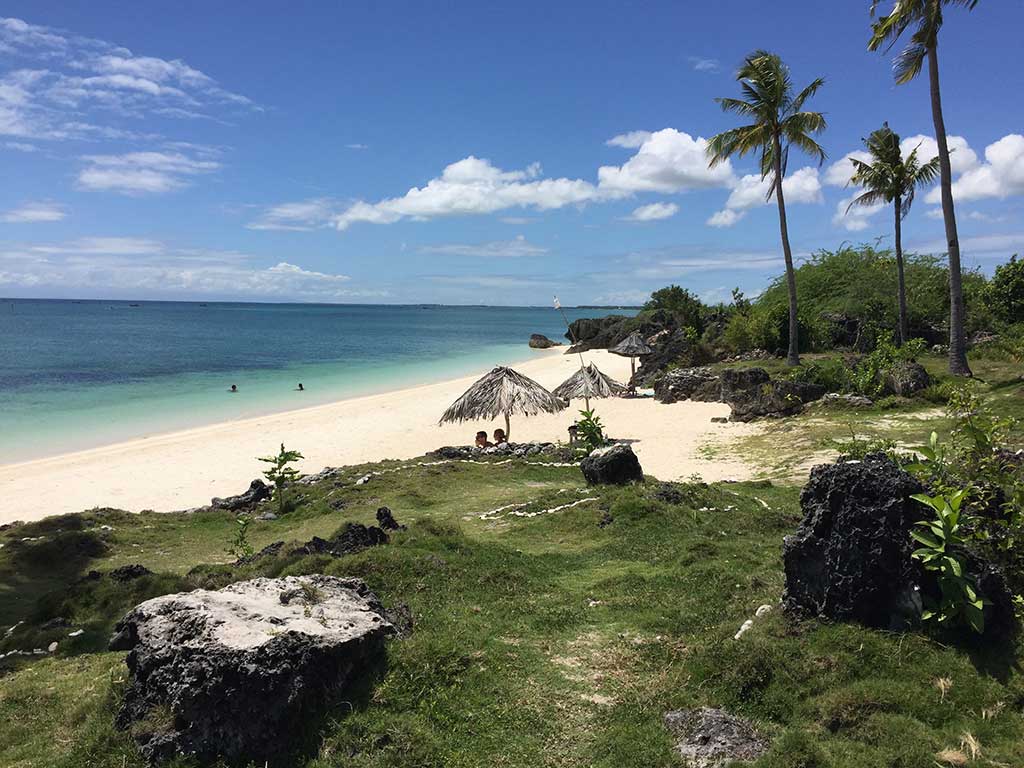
x,y
687,308
280,474
833,374
1004,295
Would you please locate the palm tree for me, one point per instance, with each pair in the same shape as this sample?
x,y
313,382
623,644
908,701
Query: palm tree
x,y
889,178
778,122
925,16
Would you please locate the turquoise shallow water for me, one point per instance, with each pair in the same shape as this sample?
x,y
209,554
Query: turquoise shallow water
x,y
75,375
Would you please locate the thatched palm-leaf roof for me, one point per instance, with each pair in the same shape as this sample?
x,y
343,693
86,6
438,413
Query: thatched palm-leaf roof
x,y
632,346
502,392
588,382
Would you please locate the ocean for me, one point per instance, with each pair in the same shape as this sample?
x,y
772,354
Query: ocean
x,y
78,374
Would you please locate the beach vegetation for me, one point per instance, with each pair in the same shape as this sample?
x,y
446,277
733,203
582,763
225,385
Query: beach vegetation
x,y
240,546
942,552
590,430
1005,294
280,474
778,122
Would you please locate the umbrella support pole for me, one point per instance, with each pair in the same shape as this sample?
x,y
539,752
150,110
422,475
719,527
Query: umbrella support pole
x,y
508,428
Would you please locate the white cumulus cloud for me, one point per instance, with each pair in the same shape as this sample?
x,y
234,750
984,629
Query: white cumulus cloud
x,y
667,161
472,186
1000,176
751,191
654,212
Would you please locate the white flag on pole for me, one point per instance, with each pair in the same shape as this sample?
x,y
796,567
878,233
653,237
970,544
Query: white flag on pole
x,y
558,304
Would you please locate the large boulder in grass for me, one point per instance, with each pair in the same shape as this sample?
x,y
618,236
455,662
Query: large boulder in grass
x,y
614,465
906,379
258,491
236,673
850,557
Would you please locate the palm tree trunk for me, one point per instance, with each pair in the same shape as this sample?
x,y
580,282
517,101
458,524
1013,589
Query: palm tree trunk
x,y
901,282
793,356
957,337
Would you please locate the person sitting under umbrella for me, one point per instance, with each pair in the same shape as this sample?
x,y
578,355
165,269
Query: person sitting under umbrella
x,y
482,441
499,437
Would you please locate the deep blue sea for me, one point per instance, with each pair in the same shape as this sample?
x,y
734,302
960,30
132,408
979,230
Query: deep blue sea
x,y
76,374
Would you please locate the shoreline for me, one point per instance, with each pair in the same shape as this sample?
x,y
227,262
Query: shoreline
x,y
183,469
263,409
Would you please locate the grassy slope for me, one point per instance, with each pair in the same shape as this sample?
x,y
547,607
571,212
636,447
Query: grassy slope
x,y
544,641
785,449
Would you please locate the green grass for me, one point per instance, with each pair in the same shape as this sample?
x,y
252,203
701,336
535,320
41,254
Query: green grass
x,y
543,641
785,449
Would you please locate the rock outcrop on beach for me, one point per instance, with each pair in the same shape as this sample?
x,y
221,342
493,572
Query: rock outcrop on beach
x,y
613,465
258,491
540,341
671,349
850,559
750,392
237,672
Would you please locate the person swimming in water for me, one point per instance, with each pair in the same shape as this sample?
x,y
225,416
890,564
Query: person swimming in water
x,y
300,388
234,388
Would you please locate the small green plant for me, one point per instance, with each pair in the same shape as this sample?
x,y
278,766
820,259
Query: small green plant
x,y
280,474
959,601
240,546
590,430
857,447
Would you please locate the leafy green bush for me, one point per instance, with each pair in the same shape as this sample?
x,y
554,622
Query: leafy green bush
x,y
688,309
590,430
942,553
869,376
1005,292
280,474
832,373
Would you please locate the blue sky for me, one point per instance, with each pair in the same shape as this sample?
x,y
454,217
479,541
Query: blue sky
x,y
476,152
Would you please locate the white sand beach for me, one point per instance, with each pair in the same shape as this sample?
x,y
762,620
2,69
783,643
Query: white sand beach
x,y
180,470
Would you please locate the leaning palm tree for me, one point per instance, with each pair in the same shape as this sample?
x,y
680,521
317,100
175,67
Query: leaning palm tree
x,y
925,16
891,178
778,121
502,392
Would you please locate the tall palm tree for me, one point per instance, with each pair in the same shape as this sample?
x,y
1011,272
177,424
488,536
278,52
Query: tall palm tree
x,y
925,16
778,122
889,178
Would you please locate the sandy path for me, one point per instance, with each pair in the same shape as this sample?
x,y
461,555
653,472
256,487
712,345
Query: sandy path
x,y
185,469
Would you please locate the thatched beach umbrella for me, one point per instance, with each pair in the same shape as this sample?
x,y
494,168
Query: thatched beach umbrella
x,y
502,392
588,382
633,346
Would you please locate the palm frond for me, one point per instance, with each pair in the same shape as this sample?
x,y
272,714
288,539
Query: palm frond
x,y
869,198
806,93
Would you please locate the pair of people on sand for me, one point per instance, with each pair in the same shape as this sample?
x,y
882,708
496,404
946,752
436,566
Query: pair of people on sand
x,y
483,442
